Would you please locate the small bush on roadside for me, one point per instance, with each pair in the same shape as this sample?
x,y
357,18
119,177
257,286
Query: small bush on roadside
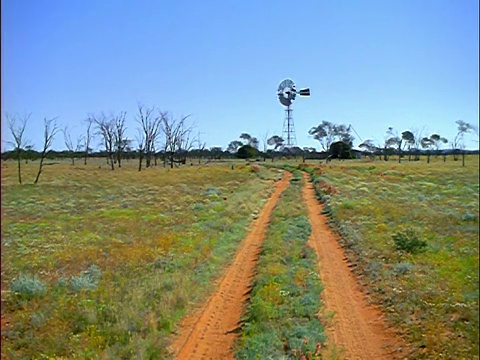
x,y
408,241
88,280
27,287
402,268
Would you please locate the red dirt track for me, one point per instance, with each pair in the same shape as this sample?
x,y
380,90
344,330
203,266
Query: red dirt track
x,y
358,330
207,334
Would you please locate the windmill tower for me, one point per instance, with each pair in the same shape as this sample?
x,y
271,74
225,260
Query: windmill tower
x,y
286,94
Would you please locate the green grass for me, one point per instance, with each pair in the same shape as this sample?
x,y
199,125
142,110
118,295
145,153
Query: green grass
x,y
385,211
104,264
282,316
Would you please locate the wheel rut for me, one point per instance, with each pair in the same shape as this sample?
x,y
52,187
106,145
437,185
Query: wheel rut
x,y
209,332
358,330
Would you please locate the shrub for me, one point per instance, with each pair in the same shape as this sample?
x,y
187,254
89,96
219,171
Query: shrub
x,y
88,280
408,241
27,287
402,268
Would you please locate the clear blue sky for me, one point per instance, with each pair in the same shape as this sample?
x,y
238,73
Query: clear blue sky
x,y
407,64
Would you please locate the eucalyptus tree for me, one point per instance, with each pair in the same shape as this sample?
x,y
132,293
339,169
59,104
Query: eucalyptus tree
x,y
278,144
437,140
326,133
408,140
458,144
233,146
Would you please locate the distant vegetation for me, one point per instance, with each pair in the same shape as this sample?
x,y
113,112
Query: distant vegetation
x,y
164,140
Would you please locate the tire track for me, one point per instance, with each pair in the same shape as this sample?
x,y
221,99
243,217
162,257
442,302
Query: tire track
x,y
209,332
358,329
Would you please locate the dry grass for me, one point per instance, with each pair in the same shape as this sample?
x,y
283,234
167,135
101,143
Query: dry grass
x,y
122,254
433,295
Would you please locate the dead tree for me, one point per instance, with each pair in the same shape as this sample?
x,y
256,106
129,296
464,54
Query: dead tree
x,y
140,148
150,127
106,129
201,147
50,130
19,141
177,138
88,137
120,141
67,137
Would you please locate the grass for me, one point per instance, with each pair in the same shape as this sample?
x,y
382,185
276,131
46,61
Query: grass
x,y
282,319
102,264
411,232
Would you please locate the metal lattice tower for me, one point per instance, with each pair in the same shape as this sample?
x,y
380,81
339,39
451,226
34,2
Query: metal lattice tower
x,y
286,93
289,128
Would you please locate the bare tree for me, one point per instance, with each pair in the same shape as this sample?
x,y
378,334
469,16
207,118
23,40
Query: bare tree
x,y
19,141
177,138
72,149
106,129
201,147
50,130
119,133
88,137
264,138
150,126
140,148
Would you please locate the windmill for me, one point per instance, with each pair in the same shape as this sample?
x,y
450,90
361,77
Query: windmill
x,y
286,94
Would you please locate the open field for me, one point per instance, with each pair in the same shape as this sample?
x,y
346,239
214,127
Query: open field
x,y
430,291
105,263
102,264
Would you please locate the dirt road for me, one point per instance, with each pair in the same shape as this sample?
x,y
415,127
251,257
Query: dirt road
x,y
358,330
207,334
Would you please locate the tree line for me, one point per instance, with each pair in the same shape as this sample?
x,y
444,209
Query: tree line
x,y
163,138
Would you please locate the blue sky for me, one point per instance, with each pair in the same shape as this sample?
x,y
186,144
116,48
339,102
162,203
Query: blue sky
x,y
408,64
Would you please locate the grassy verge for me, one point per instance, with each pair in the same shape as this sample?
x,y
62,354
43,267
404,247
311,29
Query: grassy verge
x,y
411,232
281,319
101,264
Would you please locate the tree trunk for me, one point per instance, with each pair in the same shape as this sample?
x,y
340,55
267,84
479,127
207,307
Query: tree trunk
x,y
147,160
19,165
428,158
119,159
140,159
39,169
463,159
73,161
